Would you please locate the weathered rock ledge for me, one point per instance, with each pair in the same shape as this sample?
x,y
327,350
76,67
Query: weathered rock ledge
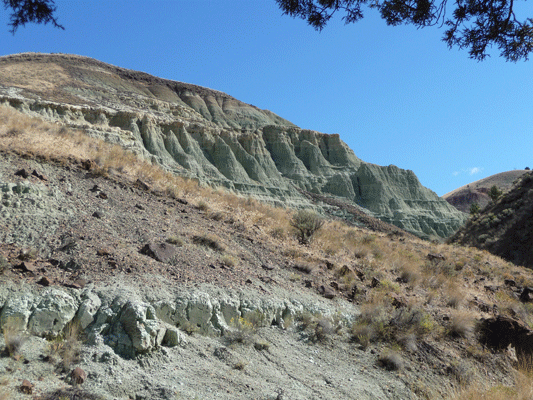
x,y
132,322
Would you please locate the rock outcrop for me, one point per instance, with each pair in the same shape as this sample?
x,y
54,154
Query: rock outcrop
x,y
131,324
209,136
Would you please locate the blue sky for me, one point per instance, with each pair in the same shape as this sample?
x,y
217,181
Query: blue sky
x,y
396,95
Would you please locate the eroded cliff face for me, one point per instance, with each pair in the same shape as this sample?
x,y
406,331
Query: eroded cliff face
x,y
207,135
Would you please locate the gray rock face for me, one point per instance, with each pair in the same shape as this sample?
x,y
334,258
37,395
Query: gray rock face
x,y
131,325
207,135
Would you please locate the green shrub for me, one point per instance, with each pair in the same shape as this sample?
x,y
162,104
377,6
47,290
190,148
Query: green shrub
x,y
495,193
318,327
306,223
474,209
242,333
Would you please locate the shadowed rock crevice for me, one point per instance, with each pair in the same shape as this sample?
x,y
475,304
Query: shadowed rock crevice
x,y
501,331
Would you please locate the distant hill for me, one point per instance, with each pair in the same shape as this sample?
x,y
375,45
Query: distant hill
x,y
505,228
477,192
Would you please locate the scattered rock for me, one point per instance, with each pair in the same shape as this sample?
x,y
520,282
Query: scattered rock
x,y
26,387
360,275
435,257
98,214
22,173
78,376
44,281
501,331
141,185
491,288
326,292
39,175
161,252
26,266
525,296
345,270
172,338
375,282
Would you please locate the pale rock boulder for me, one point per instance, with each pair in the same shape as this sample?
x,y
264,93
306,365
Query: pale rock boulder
x,y
88,308
138,321
53,312
17,310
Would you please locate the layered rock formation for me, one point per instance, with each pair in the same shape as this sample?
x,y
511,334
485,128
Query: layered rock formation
x,y
207,135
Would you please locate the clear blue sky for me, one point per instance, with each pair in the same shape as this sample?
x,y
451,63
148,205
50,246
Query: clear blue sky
x,y
396,95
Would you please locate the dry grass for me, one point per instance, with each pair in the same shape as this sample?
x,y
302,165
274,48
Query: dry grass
x,y
64,350
391,360
14,336
229,261
211,241
521,390
461,323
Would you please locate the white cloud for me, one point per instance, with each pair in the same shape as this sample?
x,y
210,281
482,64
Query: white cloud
x,y
469,171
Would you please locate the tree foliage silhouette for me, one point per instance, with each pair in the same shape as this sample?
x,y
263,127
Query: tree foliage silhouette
x,y
31,11
476,25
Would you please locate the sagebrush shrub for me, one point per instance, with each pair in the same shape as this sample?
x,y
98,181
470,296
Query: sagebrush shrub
x,y
306,223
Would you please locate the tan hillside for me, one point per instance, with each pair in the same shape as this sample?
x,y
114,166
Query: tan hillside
x,y
119,280
477,192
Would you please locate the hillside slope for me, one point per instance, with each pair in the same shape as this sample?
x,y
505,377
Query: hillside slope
x,y
207,135
180,291
478,191
505,228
